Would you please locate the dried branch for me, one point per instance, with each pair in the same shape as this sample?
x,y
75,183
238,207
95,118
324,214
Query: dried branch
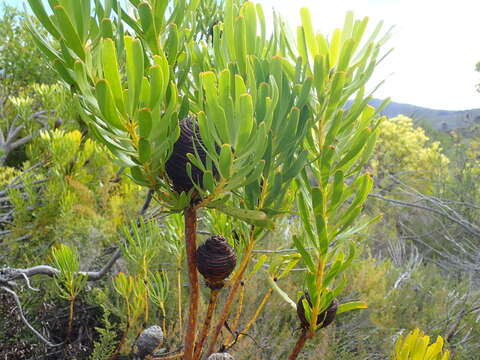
x,y
24,319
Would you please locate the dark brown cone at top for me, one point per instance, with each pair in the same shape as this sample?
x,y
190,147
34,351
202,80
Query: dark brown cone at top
x,y
189,141
325,318
215,260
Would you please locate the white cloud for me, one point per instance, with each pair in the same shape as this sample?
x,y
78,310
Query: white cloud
x,y
436,42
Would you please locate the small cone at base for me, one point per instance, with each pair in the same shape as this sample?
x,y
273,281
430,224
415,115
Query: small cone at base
x,y
216,260
148,341
325,318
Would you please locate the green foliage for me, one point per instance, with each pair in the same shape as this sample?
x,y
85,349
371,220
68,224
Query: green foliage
x,y
107,342
76,196
279,140
21,61
69,282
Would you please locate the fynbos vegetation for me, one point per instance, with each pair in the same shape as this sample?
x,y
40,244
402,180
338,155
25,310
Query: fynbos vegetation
x,y
191,137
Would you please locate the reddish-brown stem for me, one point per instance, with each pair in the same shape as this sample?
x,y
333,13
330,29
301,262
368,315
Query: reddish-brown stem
x,y
191,249
231,296
299,345
206,325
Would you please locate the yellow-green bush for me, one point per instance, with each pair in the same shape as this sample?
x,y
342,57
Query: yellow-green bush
x,y
406,152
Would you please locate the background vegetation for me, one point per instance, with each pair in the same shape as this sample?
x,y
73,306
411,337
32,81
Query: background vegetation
x,y
418,266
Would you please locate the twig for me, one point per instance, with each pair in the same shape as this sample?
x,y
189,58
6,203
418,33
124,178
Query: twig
x,y
467,227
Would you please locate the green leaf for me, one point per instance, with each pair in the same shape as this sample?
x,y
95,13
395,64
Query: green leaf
x,y
145,122
225,161
255,217
251,26
144,150
305,216
134,54
112,73
39,11
245,121
208,181
241,45
308,30
106,104
148,25
307,258
106,28
353,305
355,148
68,31
321,225
258,265
157,86
171,45
137,175
337,190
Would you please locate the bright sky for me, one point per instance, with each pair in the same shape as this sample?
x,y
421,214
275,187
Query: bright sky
x,y
436,45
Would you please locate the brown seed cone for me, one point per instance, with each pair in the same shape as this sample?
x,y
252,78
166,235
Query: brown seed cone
x,y
189,141
148,341
215,260
325,318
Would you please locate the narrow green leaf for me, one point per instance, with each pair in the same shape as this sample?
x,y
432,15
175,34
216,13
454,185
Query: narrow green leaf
x,y
145,122
308,30
68,31
148,25
225,161
39,11
107,105
250,26
134,54
337,190
241,45
252,216
307,258
245,121
171,45
353,305
106,28
258,265
144,150
112,73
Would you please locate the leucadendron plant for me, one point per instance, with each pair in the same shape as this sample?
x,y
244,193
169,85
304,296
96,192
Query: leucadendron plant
x,y
68,281
208,110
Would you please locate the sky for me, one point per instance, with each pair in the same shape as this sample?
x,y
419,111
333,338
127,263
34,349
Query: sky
x,y
436,45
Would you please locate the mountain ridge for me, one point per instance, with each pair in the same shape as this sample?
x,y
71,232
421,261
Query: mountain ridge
x,y
444,120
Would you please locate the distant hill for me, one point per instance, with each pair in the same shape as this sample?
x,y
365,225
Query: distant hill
x,y
444,120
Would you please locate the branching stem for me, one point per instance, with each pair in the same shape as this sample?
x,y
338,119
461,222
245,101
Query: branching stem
x,y
191,249
206,325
